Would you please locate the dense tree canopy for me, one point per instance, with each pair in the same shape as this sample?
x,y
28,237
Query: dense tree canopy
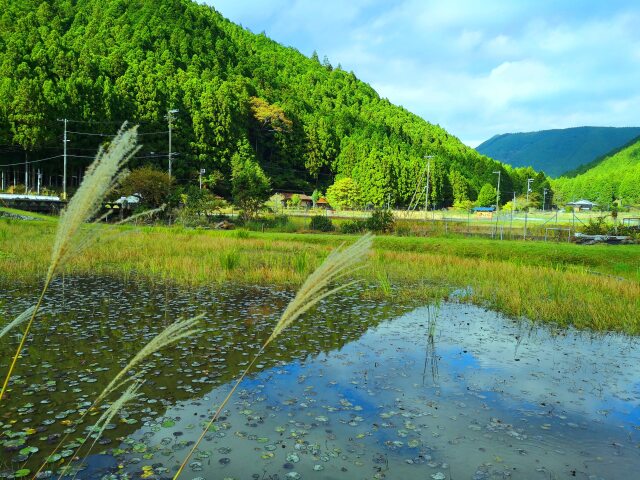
x,y
615,178
98,62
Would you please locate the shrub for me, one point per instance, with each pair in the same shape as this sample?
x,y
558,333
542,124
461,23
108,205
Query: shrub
x,y
151,184
353,226
321,224
403,230
380,221
596,226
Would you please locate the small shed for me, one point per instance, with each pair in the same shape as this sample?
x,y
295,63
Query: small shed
x,y
305,200
484,212
323,203
582,205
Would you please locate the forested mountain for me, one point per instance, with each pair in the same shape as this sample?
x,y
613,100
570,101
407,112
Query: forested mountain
x,y
97,62
557,152
617,177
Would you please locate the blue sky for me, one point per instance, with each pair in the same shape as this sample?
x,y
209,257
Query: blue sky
x,y
477,68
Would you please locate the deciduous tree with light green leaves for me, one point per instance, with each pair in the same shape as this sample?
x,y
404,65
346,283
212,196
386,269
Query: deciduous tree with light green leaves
x,y
487,196
344,194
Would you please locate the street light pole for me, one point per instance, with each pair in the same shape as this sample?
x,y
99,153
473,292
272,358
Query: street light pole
x,y
544,199
64,164
498,192
426,195
170,119
498,200
529,181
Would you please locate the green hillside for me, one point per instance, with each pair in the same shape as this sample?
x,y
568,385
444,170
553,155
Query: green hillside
x,y
97,62
557,152
615,177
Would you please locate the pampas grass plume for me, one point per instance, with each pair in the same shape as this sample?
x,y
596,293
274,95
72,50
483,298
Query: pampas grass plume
x,y
173,333
340,262
20,319
100,178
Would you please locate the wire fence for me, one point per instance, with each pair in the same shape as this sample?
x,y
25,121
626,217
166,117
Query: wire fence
x,y
550,226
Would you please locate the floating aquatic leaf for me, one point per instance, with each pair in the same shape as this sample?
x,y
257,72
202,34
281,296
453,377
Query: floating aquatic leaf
x,y
28,450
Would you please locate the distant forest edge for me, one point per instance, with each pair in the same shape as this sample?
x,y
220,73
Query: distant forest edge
x,y
558,152
616,177
306,122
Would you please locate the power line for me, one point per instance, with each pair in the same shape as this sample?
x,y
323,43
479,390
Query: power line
x,y
32,161
111,135
112,122
72,156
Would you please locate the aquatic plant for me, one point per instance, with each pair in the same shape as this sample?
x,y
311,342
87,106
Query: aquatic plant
x,y
100,178
383,282
565,284
431,357
229,260
300,262
171,334
340,262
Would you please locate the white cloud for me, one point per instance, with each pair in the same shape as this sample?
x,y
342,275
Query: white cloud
x,y
476,68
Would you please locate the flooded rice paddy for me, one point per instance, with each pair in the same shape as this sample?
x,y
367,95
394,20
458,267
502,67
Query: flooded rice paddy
x,y
358,389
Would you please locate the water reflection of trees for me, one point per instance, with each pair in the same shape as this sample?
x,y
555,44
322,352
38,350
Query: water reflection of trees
x,y
88,333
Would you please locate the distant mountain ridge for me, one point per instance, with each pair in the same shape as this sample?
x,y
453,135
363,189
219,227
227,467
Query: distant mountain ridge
x,y
557,151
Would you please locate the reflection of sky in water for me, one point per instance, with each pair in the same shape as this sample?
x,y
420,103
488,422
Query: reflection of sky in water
x,y
552,406
540,407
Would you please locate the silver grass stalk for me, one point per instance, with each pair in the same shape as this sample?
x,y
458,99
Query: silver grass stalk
x,y
129,394
146,213
173,333
101,177
101,424
20,319
342,261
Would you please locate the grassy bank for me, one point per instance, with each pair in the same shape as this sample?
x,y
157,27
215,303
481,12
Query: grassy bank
x,y
595,287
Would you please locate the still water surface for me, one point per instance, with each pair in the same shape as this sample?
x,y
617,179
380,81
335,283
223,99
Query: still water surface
x,y
357,390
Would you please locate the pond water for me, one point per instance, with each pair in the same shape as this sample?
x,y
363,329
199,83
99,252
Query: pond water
x,y
359,389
